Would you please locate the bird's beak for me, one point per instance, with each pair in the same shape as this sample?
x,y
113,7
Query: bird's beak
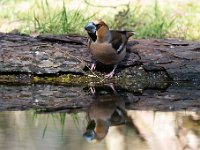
x,y
89,135
90,27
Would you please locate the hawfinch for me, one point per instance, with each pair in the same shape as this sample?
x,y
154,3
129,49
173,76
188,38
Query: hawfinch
x,y
107,110
106,46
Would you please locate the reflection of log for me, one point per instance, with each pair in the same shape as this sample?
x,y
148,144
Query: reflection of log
x,y
48,97
182,96
61,97
64,54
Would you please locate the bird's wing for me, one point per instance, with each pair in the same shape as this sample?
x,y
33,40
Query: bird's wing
x,y
119,40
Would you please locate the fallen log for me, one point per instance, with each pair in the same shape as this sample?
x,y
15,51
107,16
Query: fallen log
x,y
50,73
64,54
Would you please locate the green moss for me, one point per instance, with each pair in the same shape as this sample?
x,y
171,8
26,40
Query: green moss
x,y
36,79
8,78
130,77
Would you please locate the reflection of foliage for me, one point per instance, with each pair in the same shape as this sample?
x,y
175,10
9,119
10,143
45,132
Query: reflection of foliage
x,y
54,116
45,128
62,121
57,119
76,119
192,124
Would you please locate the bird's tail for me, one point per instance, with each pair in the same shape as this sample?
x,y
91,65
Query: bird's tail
x,y
130,33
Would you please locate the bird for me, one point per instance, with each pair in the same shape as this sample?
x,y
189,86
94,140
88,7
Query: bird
x,y
107,109
106,46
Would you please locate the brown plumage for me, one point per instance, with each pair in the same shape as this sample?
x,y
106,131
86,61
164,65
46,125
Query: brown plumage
x,y
106,46
107,109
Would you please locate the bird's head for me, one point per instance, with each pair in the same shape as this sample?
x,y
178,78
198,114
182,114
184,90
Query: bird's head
x,y
96,130
97,27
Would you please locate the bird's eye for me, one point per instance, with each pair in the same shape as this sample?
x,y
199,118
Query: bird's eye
x,y
98,26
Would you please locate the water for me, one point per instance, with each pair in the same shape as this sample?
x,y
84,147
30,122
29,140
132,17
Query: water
x,y
22,130
99,117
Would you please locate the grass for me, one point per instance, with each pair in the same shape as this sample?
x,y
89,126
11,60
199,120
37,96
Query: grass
x,y
60,121
148,23
57,21
150,19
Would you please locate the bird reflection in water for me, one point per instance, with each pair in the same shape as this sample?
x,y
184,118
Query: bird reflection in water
x,y
107,109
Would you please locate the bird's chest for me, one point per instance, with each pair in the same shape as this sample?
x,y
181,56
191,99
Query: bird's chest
x,y
103,52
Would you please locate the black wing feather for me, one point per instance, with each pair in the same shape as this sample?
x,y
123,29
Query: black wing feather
x,y
118,40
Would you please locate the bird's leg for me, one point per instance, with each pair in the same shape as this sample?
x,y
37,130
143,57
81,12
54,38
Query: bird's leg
x,y
112,87
110,75
93,67
92,90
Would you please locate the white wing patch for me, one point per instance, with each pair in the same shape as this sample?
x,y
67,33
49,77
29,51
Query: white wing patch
x,y
120,48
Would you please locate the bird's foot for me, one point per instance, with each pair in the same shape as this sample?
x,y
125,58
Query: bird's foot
x,y
93,67
110,75
111,85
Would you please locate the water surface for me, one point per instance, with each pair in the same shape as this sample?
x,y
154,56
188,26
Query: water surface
x,y
107,117
147,130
